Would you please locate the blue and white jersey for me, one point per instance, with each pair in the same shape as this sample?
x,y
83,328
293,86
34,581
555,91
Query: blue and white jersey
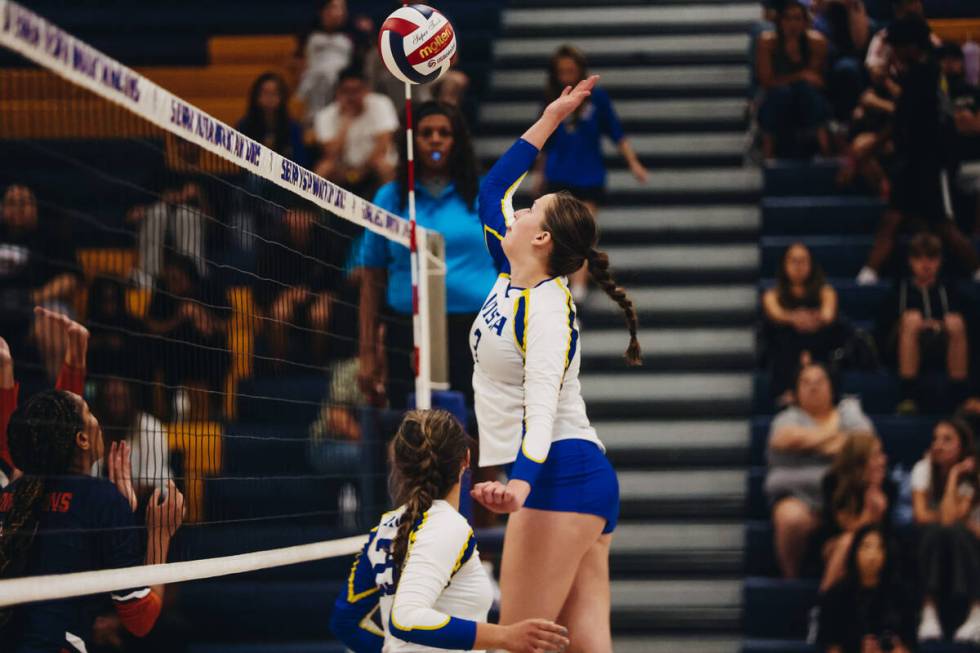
x,y
442,593
526,348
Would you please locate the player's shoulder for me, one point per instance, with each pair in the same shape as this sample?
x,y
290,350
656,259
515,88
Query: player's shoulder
x,y
443,523
551,294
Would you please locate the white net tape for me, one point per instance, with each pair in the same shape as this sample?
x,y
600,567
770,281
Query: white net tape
x,y
62,586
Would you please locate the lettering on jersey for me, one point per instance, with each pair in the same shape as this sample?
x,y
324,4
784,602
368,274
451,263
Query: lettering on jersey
x,y
491,315
57,502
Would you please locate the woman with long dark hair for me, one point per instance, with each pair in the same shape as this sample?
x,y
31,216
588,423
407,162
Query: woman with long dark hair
x,y
801,319
867,610
446,189
267,119
944,500
574,160
57,518
562,491
790,68
421,564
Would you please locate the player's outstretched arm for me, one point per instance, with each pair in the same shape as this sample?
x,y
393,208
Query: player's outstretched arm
x,y
559,109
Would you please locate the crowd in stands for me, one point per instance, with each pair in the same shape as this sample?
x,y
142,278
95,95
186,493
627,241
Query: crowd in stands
x,y
897,555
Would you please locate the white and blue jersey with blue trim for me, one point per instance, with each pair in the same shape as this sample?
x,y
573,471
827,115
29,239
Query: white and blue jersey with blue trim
x,y
526,347
443,590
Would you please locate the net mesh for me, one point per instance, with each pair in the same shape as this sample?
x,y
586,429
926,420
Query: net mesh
x,y
220,284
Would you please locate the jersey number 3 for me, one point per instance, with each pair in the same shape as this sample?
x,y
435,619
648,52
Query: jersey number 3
x,y
476,343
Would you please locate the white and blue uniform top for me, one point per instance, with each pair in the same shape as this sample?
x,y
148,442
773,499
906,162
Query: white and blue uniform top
x,y
525,344
443,590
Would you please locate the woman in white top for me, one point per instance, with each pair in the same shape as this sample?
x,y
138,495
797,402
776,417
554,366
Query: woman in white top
x,y
944,499
562,490
421,565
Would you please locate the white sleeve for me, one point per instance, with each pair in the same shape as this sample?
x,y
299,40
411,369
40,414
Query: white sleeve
x,y
384,118
432,557
155,466
921,477
549,342
325,124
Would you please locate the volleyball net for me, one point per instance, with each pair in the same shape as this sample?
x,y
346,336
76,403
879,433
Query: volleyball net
x,y
222,286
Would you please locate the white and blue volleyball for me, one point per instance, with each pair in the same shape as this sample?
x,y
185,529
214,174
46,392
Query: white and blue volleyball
x,y
417,44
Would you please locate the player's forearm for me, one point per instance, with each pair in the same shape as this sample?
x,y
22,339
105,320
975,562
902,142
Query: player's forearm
x,y
58,288
371,282
539,133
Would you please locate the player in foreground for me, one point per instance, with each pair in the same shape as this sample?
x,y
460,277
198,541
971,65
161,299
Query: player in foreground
x,y
421,565
562,490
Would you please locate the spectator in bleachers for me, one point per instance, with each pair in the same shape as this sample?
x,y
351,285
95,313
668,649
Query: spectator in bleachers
x,y
846,26
38,267
856,492
267,119
446,186
921,326
356,133
115,345
867,611
801,319
881,61
573,159
944,499
297,270
117,407
803,441
790,63
191,352
328,47
965,100
58,519
924,140
175,223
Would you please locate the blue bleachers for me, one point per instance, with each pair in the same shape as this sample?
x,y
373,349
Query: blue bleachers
x,y
292,400
777,609
783,216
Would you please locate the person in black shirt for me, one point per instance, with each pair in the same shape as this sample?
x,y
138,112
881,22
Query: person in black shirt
x,y
37,267
58,519
924,135
921,325
867,611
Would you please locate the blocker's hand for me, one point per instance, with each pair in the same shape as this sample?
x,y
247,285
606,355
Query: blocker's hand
x,y
500,498
570,99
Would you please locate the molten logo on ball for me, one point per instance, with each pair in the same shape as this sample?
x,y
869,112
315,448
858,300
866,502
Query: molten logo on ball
x,y
417,44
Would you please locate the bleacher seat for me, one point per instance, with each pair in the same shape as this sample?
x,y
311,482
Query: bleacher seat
x,y
809,215
265,448
777,646
792,177
283,400
777,609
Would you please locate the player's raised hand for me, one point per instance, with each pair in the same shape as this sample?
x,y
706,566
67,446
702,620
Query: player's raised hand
x,y
121,471
165,516
570,99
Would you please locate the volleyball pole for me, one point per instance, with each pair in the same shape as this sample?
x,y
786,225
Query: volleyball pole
x,y
420,294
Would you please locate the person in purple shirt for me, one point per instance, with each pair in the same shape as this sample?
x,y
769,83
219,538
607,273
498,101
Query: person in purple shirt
x,y
573,158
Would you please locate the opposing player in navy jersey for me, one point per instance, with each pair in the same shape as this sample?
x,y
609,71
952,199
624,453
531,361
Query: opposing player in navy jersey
x,y
420,567
527,352
57,518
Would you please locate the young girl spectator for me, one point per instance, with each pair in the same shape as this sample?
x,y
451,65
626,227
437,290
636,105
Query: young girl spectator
x,y
801,319
944,500
421,564
856,493
789,66
867,610
55,440
803,441
267,119
446,188
574,160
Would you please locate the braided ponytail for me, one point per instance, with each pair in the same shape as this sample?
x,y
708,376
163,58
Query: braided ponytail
x,y
599,270
42,444
427,455
574,235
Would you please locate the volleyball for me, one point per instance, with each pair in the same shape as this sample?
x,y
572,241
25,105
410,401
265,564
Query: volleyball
x,y
417,44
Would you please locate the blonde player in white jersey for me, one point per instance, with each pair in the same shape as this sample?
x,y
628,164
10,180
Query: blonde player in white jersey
x,y
420,565
562,491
